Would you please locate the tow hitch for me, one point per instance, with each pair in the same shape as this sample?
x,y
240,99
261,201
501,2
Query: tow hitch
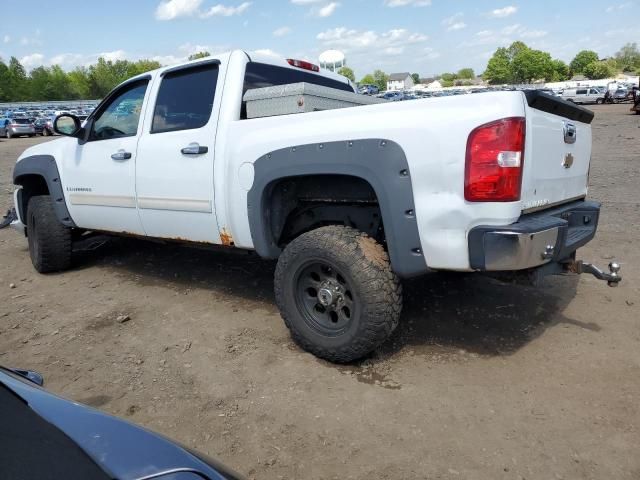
x,y
612,278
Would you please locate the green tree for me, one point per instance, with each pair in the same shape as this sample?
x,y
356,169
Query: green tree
x,y
4,81
198,55
416,78
380,79
597,70
581,60
466,74
18,87
79,83
449,77
528,65
520,64
560,71
498,69
106,74
40,86
347,72
628,57
368,79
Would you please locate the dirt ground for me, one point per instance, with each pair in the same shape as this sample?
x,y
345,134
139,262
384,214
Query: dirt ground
x,y
481,380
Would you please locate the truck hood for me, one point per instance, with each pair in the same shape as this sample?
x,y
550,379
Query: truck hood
x,y
47,148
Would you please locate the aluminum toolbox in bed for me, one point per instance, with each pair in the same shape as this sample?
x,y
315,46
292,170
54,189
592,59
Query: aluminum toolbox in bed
x,y
300,98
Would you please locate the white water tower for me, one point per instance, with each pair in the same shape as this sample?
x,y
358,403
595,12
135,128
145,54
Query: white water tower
x,y
332,60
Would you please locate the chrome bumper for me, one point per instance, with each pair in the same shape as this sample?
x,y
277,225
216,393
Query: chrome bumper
x,y
541,243
505,250
536,239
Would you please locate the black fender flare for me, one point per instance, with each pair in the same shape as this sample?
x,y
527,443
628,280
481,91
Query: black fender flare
x,y
380,162
44,166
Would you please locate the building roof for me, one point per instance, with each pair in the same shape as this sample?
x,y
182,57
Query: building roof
x,y
399,77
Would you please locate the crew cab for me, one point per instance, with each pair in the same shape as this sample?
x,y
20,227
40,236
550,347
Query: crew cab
x,y
349,201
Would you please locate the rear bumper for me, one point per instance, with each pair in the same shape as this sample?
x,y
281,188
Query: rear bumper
x,y
22,130
535,239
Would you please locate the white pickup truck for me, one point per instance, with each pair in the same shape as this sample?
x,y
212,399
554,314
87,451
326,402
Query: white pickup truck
x,y
349,201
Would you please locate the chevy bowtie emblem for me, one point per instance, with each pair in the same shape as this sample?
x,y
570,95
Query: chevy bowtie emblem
x,y
568,161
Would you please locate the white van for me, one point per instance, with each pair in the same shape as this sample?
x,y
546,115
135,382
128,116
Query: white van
x,y
583,95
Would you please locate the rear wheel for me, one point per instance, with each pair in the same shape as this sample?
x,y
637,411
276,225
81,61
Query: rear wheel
x,y
49,240
337,293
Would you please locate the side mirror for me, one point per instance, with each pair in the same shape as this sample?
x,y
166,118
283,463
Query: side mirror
x,y
67,124
30,375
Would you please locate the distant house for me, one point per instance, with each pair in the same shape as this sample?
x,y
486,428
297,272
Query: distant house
x,y
400,81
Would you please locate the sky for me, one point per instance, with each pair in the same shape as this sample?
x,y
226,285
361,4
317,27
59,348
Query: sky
x,y
423,36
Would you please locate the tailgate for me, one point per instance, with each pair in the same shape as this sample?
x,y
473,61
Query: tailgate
x,y
557,151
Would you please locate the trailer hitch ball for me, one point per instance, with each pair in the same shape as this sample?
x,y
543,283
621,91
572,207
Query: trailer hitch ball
x,y
612,278
614,268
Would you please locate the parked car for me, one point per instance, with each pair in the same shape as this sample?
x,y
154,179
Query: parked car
x,y
583,95
18,127
620,95
44,126
3,126
393,96
368,90
46,436
349,201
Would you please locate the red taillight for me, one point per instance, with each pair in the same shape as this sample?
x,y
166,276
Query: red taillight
x,y
495,154
302,64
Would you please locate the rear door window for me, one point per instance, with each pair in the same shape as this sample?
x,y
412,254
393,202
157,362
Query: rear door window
x,y
581,92
185,99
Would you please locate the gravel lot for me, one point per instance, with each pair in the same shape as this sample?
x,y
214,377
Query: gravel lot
x,y
481,381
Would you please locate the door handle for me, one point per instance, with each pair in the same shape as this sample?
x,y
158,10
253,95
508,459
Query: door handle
x,y
194,149
121,155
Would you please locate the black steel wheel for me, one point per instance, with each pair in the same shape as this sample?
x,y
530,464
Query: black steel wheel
x,y
324,297
337,293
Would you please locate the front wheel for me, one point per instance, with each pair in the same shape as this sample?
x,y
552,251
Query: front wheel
x,y
599,101
337,293
49,240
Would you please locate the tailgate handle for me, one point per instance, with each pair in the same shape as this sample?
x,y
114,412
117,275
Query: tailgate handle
x,y
569,132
